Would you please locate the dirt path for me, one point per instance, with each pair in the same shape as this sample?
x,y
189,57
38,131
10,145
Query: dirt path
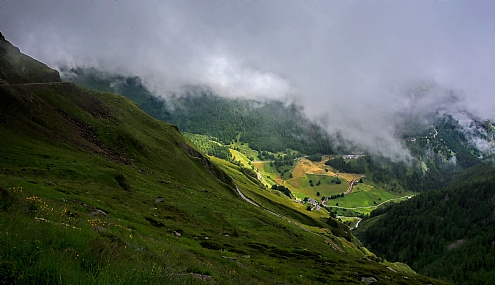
x,y
36,83
349,190
357,224
246,198
332,243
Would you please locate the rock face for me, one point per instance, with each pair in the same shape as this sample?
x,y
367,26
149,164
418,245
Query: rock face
x,y
368,280
18,68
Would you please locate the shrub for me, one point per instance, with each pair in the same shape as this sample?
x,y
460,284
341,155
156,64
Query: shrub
x,y
211,245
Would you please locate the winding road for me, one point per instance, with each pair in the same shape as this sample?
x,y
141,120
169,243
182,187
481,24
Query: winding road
x,y
269,211
245,198
349,190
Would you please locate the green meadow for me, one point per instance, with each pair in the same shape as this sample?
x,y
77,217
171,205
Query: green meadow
x,y
324,184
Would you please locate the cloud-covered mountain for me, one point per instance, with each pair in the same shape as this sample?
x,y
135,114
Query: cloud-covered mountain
x,y
345,63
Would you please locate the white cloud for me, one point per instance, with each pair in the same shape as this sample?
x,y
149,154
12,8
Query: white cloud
x,y
342,61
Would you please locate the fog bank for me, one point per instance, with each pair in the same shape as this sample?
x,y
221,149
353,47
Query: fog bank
x,y
356,67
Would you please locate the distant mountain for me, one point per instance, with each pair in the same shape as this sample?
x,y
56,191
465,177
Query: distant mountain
x,y
265,125
95,191
437,127
447,234
440,136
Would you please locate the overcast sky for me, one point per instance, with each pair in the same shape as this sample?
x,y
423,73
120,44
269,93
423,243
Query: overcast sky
x,y
346,62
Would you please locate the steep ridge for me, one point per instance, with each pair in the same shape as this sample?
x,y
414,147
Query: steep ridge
x,y
17,68
94,191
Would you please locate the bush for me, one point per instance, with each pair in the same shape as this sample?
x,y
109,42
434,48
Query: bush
x,y
120,178
211,245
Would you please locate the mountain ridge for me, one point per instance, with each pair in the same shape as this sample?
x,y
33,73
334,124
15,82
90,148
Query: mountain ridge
x,y
17,68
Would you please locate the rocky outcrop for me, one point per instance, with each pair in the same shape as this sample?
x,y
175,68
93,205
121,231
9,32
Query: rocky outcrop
x,y
368,280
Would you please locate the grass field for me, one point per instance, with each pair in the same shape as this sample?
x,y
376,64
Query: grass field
x,y
239,156
269,173
302,187
362,200
245,150
58,190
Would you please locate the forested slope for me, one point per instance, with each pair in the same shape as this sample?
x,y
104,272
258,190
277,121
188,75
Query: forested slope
x,y
266,125
447,234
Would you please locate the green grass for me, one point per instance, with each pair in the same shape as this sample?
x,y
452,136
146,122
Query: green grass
x,y
363,202
364,198
268,173
245,150
360,201
326,188
239,156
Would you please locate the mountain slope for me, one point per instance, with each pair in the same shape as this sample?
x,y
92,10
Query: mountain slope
x,y
447,234
16,67
268,125
441,139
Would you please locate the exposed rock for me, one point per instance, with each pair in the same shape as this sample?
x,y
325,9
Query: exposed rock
x,y
203,277
368,280
456,244
391,269
98,212
159,199
99,229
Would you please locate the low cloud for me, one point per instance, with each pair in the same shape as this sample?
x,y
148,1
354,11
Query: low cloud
x,y
356,67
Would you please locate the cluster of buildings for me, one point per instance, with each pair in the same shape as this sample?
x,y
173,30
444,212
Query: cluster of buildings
x,y
313,203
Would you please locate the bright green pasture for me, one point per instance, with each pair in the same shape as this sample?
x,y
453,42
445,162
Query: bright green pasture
x,y
326,188
239,156
245,150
